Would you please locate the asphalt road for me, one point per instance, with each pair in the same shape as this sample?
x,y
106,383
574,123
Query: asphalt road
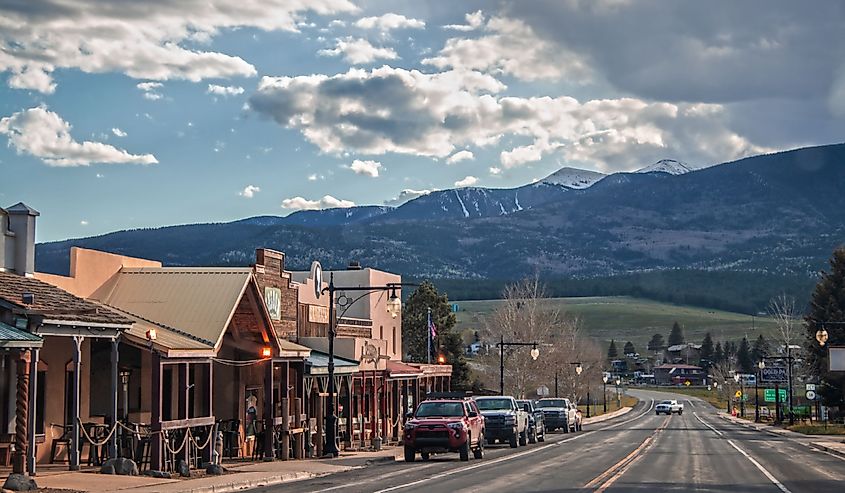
x,y
640,451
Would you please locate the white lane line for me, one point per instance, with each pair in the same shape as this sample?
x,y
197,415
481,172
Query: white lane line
x,y
650,407
690,403
747,456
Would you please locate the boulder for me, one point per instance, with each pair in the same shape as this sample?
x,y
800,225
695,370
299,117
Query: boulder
x,y
121,466
20,482
184,469
214,469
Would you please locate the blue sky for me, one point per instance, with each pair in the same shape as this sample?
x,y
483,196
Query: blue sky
x,y
121,116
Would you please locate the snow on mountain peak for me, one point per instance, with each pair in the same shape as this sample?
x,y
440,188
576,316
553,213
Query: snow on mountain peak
x,y
669,166
573,178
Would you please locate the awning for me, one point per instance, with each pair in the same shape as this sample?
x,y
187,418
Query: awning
x,y
293,350
397,369
317,363
11,337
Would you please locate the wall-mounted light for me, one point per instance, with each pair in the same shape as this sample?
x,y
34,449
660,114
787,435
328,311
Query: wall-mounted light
x,y
151,335
441,359
124,377
266,352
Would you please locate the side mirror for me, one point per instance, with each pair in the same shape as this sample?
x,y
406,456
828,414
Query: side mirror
x,y
472,414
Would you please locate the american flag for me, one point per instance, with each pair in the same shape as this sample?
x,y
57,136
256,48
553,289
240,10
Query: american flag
x,y
432,328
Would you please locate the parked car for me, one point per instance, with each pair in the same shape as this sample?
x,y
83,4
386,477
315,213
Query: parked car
x,y
445,425
559,414
504,420
536,423
669,407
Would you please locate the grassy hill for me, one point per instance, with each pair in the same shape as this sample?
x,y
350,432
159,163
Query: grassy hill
x,y
634,319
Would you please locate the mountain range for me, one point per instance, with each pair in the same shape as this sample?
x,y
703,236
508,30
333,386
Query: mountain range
x,y
779,213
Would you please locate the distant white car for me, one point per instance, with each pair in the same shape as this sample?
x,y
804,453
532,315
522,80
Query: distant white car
x,y
669,407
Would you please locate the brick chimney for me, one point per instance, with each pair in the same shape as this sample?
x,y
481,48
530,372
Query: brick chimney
x,y
272,262
22,224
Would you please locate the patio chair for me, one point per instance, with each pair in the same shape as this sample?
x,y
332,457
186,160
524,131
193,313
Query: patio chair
x,y
63,440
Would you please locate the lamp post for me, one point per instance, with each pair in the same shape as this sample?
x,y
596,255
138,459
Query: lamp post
x,y
124,381
394,308
535,353
618,395
604,379
760,365
738,379
578,370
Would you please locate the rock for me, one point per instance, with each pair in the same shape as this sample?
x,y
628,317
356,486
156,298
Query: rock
x,y
184,469
121,466
214,469
158,474
20,482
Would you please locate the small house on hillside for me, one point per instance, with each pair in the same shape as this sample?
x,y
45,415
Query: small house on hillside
x,y
679,374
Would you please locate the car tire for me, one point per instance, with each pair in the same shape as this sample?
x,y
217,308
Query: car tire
x,y
425,455
464,450
513,441
410,454
478,451
523,438
532,437
680,413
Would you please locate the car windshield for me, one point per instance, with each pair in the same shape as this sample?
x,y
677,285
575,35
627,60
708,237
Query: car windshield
x,y
427,409
491,404
525,405
552,403
665,402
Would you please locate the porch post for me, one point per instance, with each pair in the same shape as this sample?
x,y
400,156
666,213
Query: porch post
x,y
155,412
33,405
21,414
75,445
115,358
208,452
348,411
185,382
269,411
404,400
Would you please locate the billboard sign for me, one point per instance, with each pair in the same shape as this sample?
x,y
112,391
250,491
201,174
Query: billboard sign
x,y
769,395
773,374
837,358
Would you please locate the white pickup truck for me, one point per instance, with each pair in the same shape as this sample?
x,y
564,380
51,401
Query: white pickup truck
x,y
669,407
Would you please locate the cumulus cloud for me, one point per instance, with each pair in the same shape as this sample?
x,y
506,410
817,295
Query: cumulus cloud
x,y
466,182
43,134
510,46
495,171
249,191
118,132
359,51
83,223
327,202
135,39
224,90
366,168
150,90
474,21
460,156
409,112
389,22
406,195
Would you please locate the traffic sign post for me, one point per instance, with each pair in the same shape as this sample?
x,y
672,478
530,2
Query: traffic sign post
x,y
769,395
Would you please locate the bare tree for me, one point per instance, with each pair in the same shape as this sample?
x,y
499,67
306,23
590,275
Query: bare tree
x,y
790,333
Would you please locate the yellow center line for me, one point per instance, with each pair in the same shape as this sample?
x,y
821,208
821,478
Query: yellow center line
x,y
619,468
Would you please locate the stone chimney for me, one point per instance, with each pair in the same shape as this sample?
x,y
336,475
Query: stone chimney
x,y
269,261
22,224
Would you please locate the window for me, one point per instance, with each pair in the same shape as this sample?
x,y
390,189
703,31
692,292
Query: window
x,y
381,332
393,337
40,396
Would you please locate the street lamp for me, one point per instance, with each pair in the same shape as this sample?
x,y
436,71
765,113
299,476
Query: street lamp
x,y
618,395
604,379
124,381
578,370
760,365
535,353
394,308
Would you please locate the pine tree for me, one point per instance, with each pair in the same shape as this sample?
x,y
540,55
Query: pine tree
x,y
760,349
629,348
707,353
827,311
718,354
448,342
676,336
612,353
656,343
743,357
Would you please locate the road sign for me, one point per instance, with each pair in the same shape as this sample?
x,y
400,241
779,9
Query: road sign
x,y
738,394
769,395
811,386
455,307
543,391
836,358
774,374
811,395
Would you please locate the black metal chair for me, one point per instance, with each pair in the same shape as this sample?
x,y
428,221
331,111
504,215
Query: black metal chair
x,y
63,440
143,444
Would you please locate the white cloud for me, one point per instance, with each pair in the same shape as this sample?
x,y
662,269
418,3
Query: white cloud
x,y
466,182
406,195
150,90
137,39
43,134
512,47
474,21
118,132
495,171
100,175
366,168
460,156
83,223
224,90
249,191
389,22
359,51
327,202
434,115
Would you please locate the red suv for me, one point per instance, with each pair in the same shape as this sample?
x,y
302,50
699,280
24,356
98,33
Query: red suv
x,y
445,425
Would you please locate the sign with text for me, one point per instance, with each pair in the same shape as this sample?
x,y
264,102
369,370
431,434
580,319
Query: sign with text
x,y
769,395
774,374
837,358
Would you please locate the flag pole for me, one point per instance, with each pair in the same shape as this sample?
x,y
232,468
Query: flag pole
x,y
428,329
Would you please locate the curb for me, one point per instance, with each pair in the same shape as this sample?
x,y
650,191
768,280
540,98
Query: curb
x,y
832,450
605,417
254,483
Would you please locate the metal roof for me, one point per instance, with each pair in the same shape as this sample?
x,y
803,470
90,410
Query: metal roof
x,y
10,337
197,301
317,363
169,341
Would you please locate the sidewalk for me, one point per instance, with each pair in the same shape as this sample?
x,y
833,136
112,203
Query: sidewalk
x,y
821,442
605,417
240,476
